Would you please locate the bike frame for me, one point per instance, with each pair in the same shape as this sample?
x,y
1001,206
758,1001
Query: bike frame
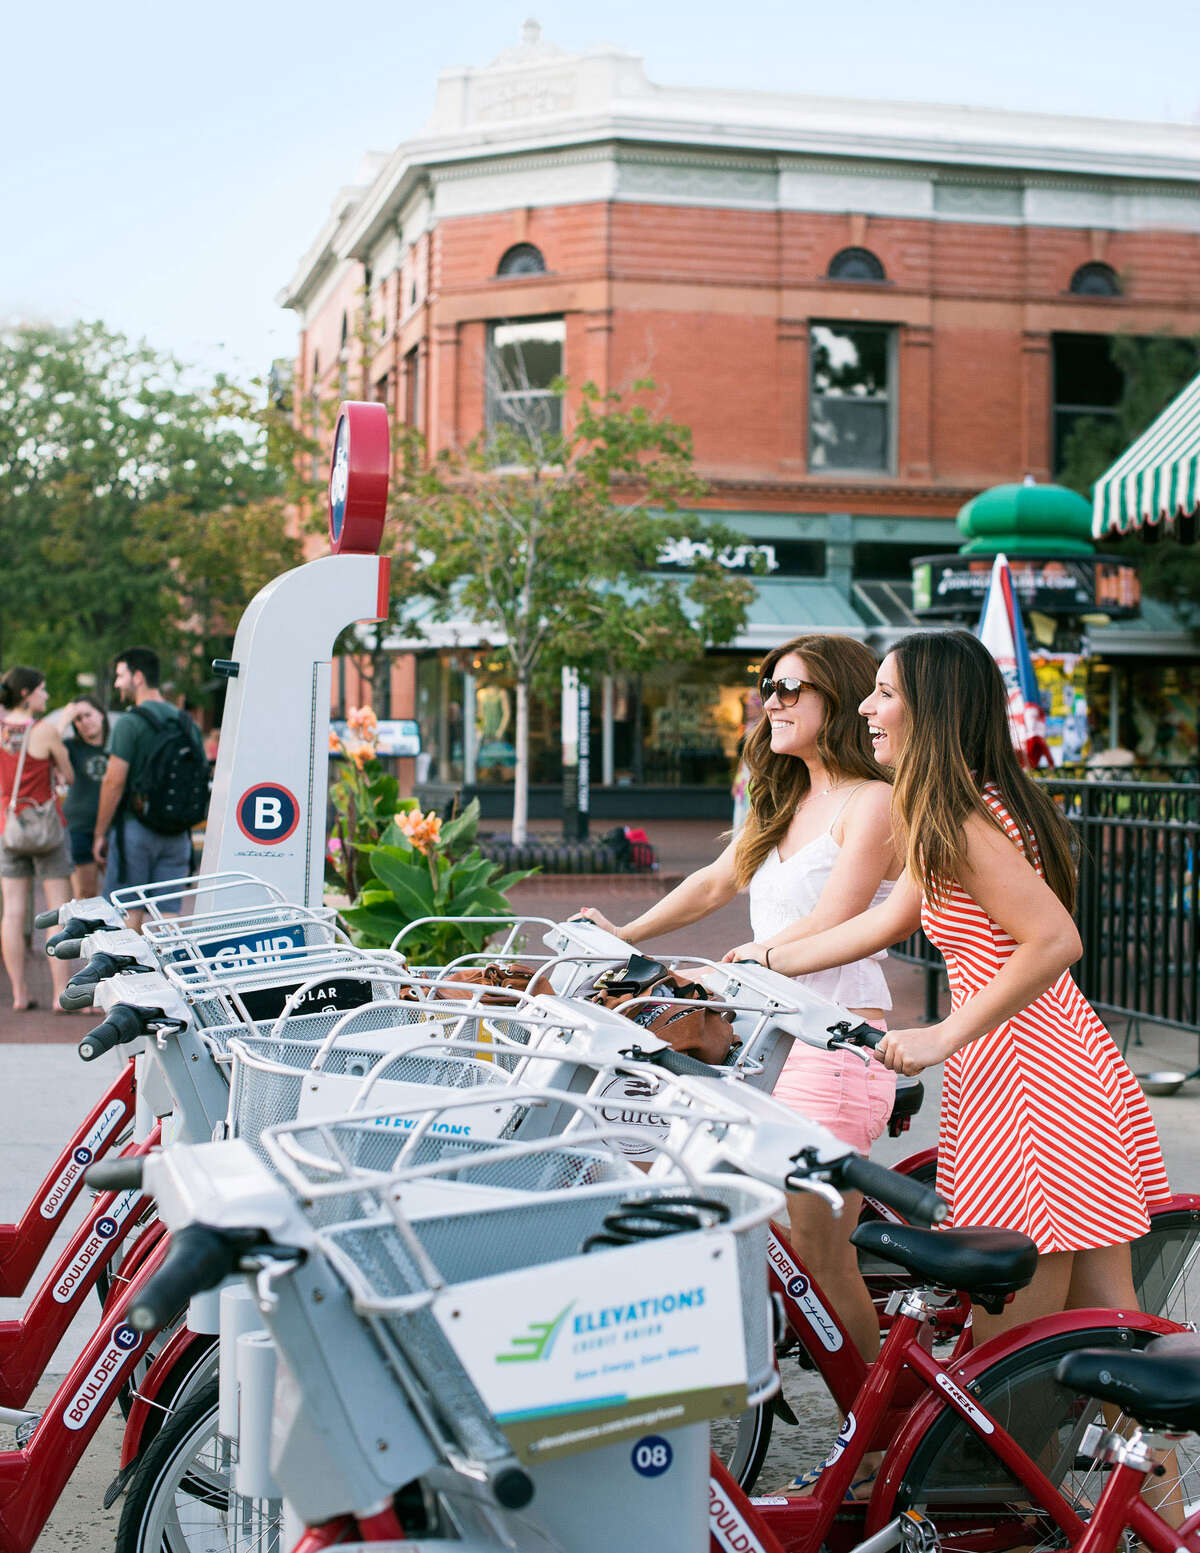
x,y
181,1353
1121,1506
32,1479
27,1345
23,1244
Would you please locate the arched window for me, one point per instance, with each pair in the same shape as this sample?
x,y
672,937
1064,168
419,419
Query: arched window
x,y
522,259
1095,280
856,264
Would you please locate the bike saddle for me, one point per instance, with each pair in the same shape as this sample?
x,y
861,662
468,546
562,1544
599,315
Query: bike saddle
x,y
989,1264
1158,1384
910,1096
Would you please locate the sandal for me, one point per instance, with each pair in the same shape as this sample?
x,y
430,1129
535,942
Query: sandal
x,y
807,1481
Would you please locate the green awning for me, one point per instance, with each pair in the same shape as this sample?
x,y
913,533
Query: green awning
x,y
1158,479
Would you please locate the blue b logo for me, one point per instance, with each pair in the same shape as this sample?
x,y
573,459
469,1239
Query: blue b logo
x,y
267,813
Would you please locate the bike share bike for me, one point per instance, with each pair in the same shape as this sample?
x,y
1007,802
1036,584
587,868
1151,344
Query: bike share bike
x,y
948,1272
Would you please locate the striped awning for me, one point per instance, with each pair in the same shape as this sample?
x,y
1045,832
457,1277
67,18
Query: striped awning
x,y
1157,481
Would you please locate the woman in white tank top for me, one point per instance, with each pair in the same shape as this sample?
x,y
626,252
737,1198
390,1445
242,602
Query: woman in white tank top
x,y
815,850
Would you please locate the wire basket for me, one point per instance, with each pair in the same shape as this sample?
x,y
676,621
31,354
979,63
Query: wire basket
x,y
501,1216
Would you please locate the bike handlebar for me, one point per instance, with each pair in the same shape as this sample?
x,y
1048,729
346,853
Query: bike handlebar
x,y
198,1258
919,1204
682,1063
861,1034
124,1023
66,943
116,1175
80,991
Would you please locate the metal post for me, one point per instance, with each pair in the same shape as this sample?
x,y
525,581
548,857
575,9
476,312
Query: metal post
x,y
575,754
606,730
470,732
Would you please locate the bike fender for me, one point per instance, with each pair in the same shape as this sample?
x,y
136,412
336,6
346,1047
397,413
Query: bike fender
x,y
179,1353
135,1254
963,1371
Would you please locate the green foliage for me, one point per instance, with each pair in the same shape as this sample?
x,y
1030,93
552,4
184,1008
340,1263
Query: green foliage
x,y
555,539
365,799
442,875
138,504
1154,371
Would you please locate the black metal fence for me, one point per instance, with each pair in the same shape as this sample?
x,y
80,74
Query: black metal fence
x,y
1139,900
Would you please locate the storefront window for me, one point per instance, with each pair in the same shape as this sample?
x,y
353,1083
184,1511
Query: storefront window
x,y
440,716
693,717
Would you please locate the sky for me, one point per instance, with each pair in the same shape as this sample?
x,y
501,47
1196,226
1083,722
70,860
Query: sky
x,y
164,167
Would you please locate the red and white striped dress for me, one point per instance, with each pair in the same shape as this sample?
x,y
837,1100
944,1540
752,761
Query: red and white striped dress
x,y
1043,1126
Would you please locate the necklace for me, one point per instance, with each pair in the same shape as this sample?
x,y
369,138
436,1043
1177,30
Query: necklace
x,y
825,791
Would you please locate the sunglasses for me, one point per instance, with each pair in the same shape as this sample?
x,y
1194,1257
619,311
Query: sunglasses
x,y
786,690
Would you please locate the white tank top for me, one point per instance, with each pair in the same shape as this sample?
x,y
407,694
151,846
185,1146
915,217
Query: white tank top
x,y
782,892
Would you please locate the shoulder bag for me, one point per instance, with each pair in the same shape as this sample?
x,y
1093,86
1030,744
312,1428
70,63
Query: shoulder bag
x,y
37,828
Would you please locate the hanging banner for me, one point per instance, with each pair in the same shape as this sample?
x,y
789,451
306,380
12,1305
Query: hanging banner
x,y
1002,632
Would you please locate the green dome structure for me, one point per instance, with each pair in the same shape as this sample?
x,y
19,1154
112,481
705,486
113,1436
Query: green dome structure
x,y
1027,519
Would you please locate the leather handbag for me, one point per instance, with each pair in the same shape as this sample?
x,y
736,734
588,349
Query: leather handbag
x,y
35,829
700,1030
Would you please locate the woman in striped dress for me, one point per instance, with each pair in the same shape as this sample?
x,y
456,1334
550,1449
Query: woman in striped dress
x,y
1043,1126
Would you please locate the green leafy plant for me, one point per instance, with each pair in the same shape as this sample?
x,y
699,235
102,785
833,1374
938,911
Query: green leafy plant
x,y
365,799
424,868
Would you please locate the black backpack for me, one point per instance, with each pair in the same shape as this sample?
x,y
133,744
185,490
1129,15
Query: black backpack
x,y
172,791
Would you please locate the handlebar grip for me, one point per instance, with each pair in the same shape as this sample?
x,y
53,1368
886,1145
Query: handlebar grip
x,y
116,1175
682,1063
861,1034
64,945
513,1488
80,991
46,918
919,1204
198,1258
124,1023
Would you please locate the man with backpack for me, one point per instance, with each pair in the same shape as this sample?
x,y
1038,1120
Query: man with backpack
x,y
155,786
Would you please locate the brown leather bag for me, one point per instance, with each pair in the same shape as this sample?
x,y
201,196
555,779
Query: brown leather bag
x,y
702,1030
504,976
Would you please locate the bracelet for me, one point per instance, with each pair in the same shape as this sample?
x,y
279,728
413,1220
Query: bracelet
x,y
767,957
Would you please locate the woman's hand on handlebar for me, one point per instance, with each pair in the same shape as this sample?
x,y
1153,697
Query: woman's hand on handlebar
x,y
600,920
912,1051
746,952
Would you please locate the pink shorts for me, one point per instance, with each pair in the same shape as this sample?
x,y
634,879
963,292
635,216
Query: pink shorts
x,y
850,1097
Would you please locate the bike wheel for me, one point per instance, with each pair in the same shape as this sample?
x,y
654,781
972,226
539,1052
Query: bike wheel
x,y
974,1500
740,1442
180,1499
1166,1265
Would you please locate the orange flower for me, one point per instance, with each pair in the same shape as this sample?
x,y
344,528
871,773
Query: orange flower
x,y
335,744
360,755
363,721
422,830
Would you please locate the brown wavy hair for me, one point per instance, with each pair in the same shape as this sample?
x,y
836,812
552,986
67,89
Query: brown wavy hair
x,y
843,672
957,744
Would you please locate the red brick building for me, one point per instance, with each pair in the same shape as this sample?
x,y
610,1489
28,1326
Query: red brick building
x,y
866,312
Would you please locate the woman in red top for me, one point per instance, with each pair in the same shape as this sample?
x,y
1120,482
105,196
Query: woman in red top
x,y
1043,1126
23,700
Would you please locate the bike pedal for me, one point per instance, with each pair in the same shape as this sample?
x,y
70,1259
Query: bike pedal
x,y
24,1432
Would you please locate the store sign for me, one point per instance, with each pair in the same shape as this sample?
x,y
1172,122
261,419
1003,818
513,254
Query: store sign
x,y
735,558
1075,585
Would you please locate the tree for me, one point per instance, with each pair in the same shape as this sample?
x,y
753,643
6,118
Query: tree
x,y
552,540
1154,370
136,503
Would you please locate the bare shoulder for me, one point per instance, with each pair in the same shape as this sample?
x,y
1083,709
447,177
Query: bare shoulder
x,y
867,816
987,843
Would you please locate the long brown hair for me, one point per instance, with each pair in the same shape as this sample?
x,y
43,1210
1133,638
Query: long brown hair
x,y
843,672
958,743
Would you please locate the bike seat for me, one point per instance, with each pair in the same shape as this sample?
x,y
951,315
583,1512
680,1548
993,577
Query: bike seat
x,y
987,1263
910,1095
1159,1384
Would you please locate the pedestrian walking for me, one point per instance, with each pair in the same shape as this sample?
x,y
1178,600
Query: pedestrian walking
x,y
155,784
1043,1126
84,725
816,849
33,846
